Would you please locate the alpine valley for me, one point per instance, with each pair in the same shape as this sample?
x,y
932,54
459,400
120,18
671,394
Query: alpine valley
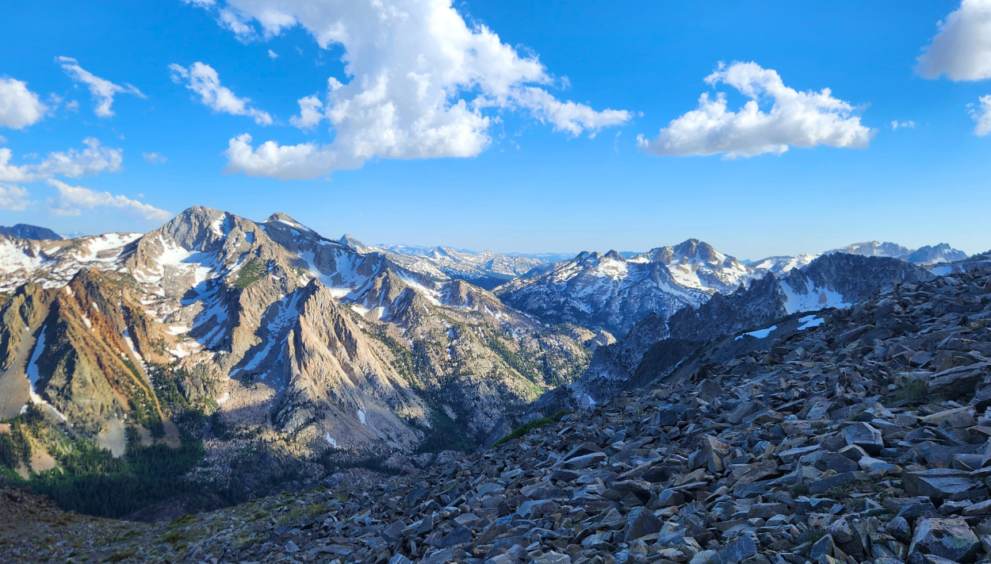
x,y
217,359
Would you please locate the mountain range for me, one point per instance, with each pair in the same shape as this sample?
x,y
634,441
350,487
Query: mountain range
x,y
847,434
282,351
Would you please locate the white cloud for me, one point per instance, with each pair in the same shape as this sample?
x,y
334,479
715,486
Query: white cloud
x,y
19,107
154,158
961,49
272,54
802,119
205,81
73,200
94,159
310,113
421,84
72,106
902,124
568,116
2,139
101,89
982,115
200,3
14,198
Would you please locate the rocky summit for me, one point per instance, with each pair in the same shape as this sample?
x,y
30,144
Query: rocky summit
x,y
856,434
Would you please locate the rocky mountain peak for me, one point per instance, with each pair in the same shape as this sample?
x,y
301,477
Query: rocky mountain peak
x,y
874,249
940,253
196,227
689,251
614,255
349,241
279,218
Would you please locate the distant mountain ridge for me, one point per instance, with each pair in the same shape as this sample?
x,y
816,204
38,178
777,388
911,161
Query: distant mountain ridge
x,y
33,232
485,269
612,292
925,255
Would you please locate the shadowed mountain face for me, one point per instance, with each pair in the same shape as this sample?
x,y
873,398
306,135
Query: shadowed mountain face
x,y
273,328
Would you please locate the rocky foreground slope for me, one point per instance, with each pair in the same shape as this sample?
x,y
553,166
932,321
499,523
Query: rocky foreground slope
x,y
862,438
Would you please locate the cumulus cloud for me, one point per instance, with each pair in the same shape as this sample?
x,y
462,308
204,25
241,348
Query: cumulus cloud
x,y
205,81
154,158
94,159
73,200
14,198
19,107
272,54
310,113
902,124
961,49
102,90
982,115
422,83
802,119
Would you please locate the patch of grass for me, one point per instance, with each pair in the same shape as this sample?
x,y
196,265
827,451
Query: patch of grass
x,y
181,520
250,273
915,390
529,426
302,513
836,492
173,537
258,515
118,556
815,535
800,488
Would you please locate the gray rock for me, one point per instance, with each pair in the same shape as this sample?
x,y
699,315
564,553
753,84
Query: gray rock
x,y
947,538
737,551
900,529
580,462
822,547
940,483
641,522
458,536
550,558
864,436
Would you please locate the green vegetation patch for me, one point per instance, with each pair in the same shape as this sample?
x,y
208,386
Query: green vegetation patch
x,y
90,480
250,273
913,391
531,425
444,434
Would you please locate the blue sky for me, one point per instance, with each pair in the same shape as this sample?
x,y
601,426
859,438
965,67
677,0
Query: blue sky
x,y
520,181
